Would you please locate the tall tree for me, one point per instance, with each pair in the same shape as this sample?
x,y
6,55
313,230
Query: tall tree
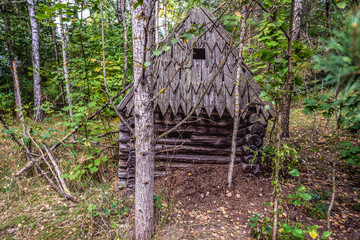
x,y
143,39
279,114
17,92
298,9
65,66
38,112
157,22
165,18
294,31
237,97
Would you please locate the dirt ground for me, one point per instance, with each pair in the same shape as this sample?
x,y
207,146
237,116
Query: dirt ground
x,y
201,207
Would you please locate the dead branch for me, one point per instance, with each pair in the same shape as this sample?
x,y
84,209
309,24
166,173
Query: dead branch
x,y
43,173
74,130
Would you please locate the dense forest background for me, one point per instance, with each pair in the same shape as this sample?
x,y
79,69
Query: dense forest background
x,y
65,65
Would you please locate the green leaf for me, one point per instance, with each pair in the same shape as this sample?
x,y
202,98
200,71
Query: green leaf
x,y
166,48
146,64
297,232
305,196
302,188
294,173
157,53
97,162
287,228
326,234
341,5
174,40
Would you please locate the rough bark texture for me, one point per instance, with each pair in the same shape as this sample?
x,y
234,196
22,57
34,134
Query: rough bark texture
x,y
165,19
143,30
38,113
298,8
125,41
119,11
66,70
53,30
157,25
238,83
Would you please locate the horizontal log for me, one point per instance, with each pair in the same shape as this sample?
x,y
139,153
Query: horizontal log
x,y
248,150
257,129
183,148
196,159
253,139
164,165
257,118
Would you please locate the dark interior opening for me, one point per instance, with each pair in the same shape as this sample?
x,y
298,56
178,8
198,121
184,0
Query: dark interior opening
x,y
199,53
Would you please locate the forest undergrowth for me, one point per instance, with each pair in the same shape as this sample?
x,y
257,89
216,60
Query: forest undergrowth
x,y
192,203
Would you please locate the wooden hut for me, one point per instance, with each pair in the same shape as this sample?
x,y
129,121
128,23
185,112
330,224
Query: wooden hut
x,y
182,74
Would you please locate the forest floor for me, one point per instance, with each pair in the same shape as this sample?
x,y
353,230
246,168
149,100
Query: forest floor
x,y
192,203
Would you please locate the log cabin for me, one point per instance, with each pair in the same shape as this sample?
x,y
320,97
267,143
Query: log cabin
x,y
205,63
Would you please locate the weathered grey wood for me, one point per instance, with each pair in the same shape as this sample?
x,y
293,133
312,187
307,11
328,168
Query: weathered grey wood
x,y
206,136
257,118
253,139
196,159
257,129
195,74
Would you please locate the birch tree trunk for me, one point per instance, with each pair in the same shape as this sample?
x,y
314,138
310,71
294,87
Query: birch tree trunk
x,y
157,22
38,112
118,11
143,30
165,19
237,98
298,8
123,2
53,31
17,92
65,66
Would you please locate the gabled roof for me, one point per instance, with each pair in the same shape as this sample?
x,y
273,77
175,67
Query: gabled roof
x,y
193,75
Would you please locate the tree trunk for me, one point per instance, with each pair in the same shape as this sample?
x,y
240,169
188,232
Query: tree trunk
x,y
143,30
53,30
38,112
118,11
157,25
237,98
17,92
327,6
298,8
125,41
165,19
66,71
286,104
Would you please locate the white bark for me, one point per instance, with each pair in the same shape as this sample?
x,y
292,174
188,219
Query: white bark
x,y
237,98
66,70
298,8
142,25
165,19
125,41
38,113
157,25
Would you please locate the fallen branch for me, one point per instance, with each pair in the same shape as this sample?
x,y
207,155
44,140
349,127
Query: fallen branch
x,y
43,173
74,130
